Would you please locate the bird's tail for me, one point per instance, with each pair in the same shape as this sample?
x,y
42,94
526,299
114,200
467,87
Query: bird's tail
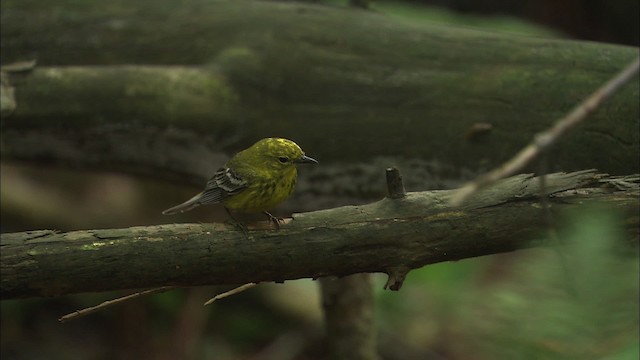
x,y
185,206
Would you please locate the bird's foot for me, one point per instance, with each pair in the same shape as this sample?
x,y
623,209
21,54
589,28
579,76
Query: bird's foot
x,y
274,220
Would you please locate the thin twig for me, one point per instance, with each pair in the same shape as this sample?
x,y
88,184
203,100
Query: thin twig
x,y
230,292
548,138
90,310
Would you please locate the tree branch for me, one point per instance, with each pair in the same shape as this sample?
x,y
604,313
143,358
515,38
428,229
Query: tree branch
x,y
413,231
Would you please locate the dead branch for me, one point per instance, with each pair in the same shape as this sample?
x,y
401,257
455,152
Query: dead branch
x,y
411,232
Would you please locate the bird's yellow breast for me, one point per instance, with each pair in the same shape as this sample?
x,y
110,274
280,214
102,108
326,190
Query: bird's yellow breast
x,y
263,193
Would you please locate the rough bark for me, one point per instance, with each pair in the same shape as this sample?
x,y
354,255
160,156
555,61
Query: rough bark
x,y
410,232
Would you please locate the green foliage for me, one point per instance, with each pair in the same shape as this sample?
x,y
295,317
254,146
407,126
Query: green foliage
x,y
578,300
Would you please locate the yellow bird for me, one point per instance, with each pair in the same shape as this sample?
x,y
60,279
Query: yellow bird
x,y
254,180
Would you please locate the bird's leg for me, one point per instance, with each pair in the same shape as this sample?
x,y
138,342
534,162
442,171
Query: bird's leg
x,y
275,220
237,223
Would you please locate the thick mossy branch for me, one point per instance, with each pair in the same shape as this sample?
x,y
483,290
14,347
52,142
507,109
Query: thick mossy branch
x,y
413,231
146,108
317,74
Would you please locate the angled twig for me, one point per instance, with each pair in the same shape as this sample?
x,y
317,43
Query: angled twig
x,y
230,292
90,310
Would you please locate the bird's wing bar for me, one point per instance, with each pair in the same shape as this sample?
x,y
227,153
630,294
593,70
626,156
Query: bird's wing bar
x,y
229,181
224,183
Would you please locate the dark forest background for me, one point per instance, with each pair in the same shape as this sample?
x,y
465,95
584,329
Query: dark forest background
x,y
527,304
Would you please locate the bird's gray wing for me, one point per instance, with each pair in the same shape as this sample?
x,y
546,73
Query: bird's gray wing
x,y
224,183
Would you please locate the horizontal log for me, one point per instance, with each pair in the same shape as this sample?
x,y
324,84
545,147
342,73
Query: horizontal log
x,y
408,232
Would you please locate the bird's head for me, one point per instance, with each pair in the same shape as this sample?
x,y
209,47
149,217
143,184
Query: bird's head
x,y
280,154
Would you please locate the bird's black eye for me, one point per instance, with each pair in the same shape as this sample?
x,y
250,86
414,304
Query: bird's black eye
x,y
283,159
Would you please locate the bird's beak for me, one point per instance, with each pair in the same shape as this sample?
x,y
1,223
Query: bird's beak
x,y
307,160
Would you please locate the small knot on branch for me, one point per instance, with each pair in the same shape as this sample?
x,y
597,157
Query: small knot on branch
x,y
396,277
477,131
395,187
